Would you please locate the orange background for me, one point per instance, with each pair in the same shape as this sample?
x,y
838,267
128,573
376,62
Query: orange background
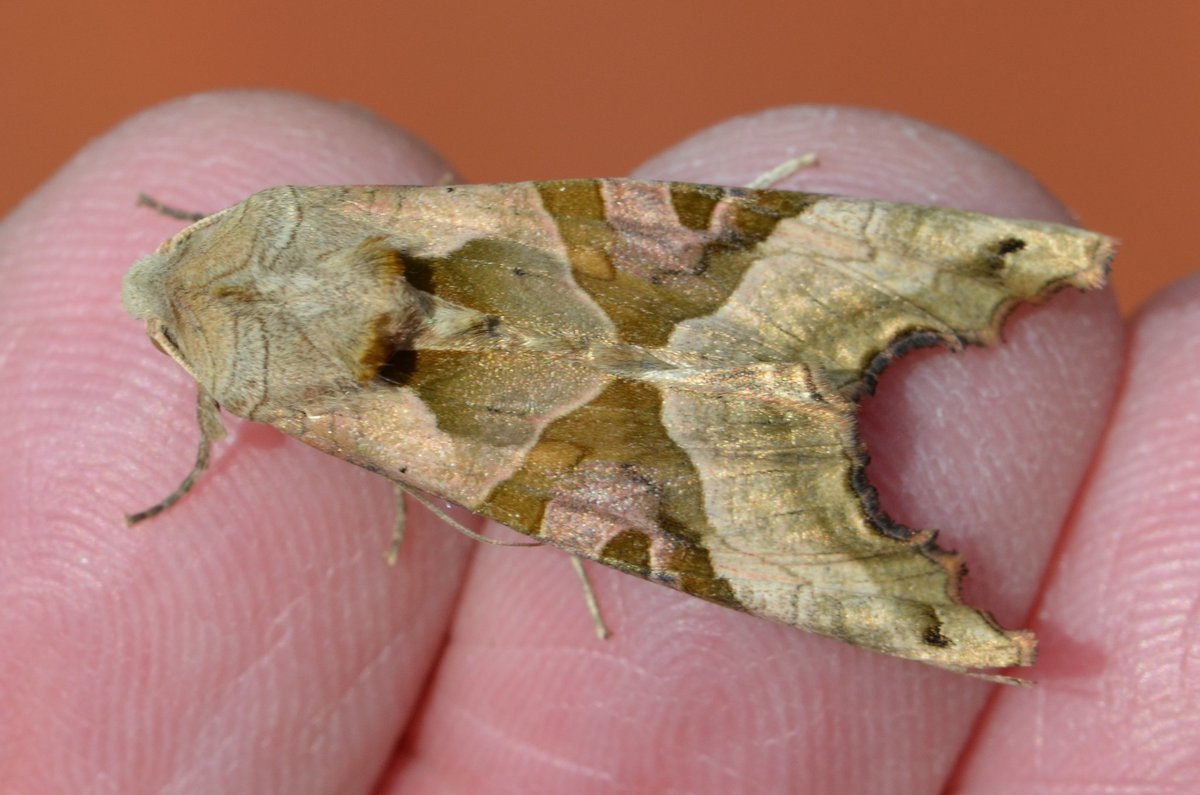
x,y
1100,101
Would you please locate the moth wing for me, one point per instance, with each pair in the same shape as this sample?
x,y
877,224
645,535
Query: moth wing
x,y
741,479
846,285
757,503
667,386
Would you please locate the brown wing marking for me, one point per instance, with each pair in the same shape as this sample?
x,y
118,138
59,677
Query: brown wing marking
x,y
607,482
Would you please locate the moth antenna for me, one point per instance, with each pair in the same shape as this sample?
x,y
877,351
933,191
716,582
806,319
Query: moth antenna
x,y
782,171
202,459
145,200
211,430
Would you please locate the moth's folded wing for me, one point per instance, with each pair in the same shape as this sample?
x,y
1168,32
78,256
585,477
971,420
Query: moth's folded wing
x,y
792,526
750,497
846,284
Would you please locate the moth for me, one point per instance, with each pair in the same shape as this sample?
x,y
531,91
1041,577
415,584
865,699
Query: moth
x,y
660,377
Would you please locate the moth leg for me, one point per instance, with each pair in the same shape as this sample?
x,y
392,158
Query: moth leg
x,y
398,533
589,596
168,210
208,416
783,171
393,553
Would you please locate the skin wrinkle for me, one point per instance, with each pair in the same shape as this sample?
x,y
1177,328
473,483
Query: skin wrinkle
x,y
526,750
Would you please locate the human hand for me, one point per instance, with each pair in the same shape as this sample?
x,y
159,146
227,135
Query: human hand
x,y
251,639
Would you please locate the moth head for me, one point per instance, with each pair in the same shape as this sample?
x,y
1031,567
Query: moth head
x,y
144,295
288,330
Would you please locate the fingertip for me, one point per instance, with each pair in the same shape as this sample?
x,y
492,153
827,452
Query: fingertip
x,y
1118,613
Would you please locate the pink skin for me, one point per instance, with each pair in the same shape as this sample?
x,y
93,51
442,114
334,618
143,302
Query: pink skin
x,y
252,639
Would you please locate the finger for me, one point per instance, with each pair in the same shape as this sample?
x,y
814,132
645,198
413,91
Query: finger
x,y
704,698
224,640
1119,696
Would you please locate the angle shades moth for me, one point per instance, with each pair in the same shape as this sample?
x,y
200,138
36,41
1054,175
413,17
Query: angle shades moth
x,y
661,377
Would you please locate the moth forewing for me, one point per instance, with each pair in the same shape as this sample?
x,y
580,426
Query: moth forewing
x,y
661,377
